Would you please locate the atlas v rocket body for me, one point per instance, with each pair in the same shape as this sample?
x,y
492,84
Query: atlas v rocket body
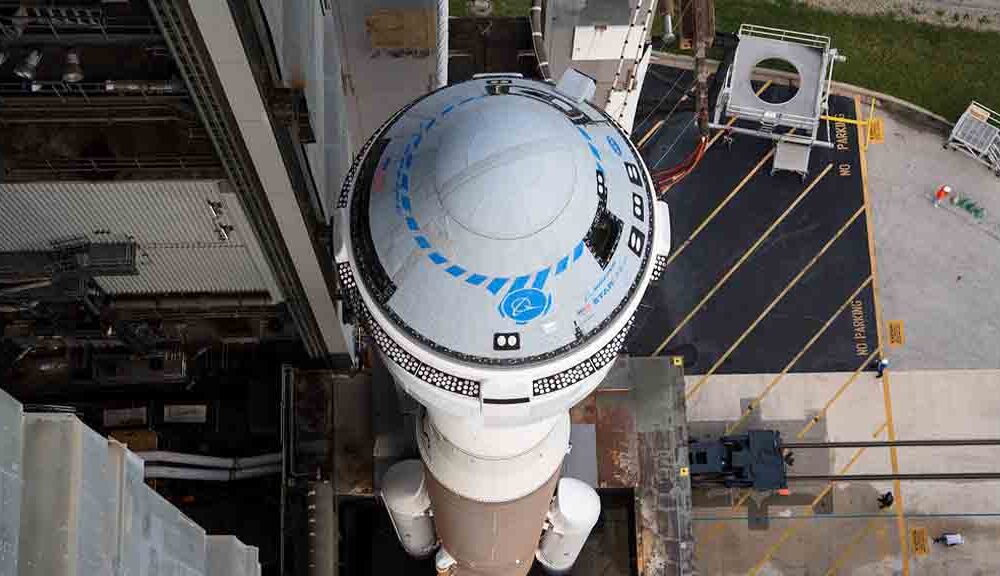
x,y
494,239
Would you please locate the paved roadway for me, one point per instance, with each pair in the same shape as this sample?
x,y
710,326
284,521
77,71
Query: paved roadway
x,y
939,272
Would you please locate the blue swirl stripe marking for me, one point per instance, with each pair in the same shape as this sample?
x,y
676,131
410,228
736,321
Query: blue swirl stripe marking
x,y
561,266
530,302
520,282
539,282
615,146
496,284
594,151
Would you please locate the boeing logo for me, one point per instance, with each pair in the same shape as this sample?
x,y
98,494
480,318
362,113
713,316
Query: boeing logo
x,y
524,305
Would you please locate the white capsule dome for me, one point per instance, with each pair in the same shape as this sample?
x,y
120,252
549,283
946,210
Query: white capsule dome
x,y
495,238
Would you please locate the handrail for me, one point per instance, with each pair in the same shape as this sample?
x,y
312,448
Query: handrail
x,y
805,38
992,117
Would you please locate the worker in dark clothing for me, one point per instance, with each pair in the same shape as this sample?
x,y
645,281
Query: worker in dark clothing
x,y
885,501
727,138
880,367
789,458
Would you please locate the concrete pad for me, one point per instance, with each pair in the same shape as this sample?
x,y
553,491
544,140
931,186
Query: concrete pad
x,y
938,267
943,405
938,272
926,405
855,415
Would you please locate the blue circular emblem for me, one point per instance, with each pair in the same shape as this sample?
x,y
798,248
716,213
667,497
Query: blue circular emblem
x,y
524,305
615,147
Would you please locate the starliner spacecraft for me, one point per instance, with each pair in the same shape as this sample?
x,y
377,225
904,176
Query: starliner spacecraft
x,y
494,239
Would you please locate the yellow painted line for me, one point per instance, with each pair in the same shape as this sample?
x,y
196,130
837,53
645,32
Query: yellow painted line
x,y
843,387
732,121
753,172
749,252
896,485
854,458
659,124
869,526
785,535
719,134
717,526
755,403
878,432
791,284
791,530
845,120
871,239
904,550
716,137
649,133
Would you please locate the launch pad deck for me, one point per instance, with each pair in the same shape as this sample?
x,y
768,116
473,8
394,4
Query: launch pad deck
x,y
639,422
767,272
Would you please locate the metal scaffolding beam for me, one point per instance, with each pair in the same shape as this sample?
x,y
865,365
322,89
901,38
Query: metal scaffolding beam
x,y
319,330
159,167
95,109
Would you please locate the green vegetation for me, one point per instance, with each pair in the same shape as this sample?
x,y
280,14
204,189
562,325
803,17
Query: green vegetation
x,y
939,68
459,8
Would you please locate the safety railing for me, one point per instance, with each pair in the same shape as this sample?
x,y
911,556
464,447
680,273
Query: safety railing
x,y
804,38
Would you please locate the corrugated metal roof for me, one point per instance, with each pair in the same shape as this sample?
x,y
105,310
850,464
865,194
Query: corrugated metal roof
x,y
192,235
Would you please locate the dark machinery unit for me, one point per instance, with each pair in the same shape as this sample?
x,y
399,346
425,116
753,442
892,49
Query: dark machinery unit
x,y
752,460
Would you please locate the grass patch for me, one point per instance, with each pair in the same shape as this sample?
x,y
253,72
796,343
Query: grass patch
x,y
939,68
458,8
